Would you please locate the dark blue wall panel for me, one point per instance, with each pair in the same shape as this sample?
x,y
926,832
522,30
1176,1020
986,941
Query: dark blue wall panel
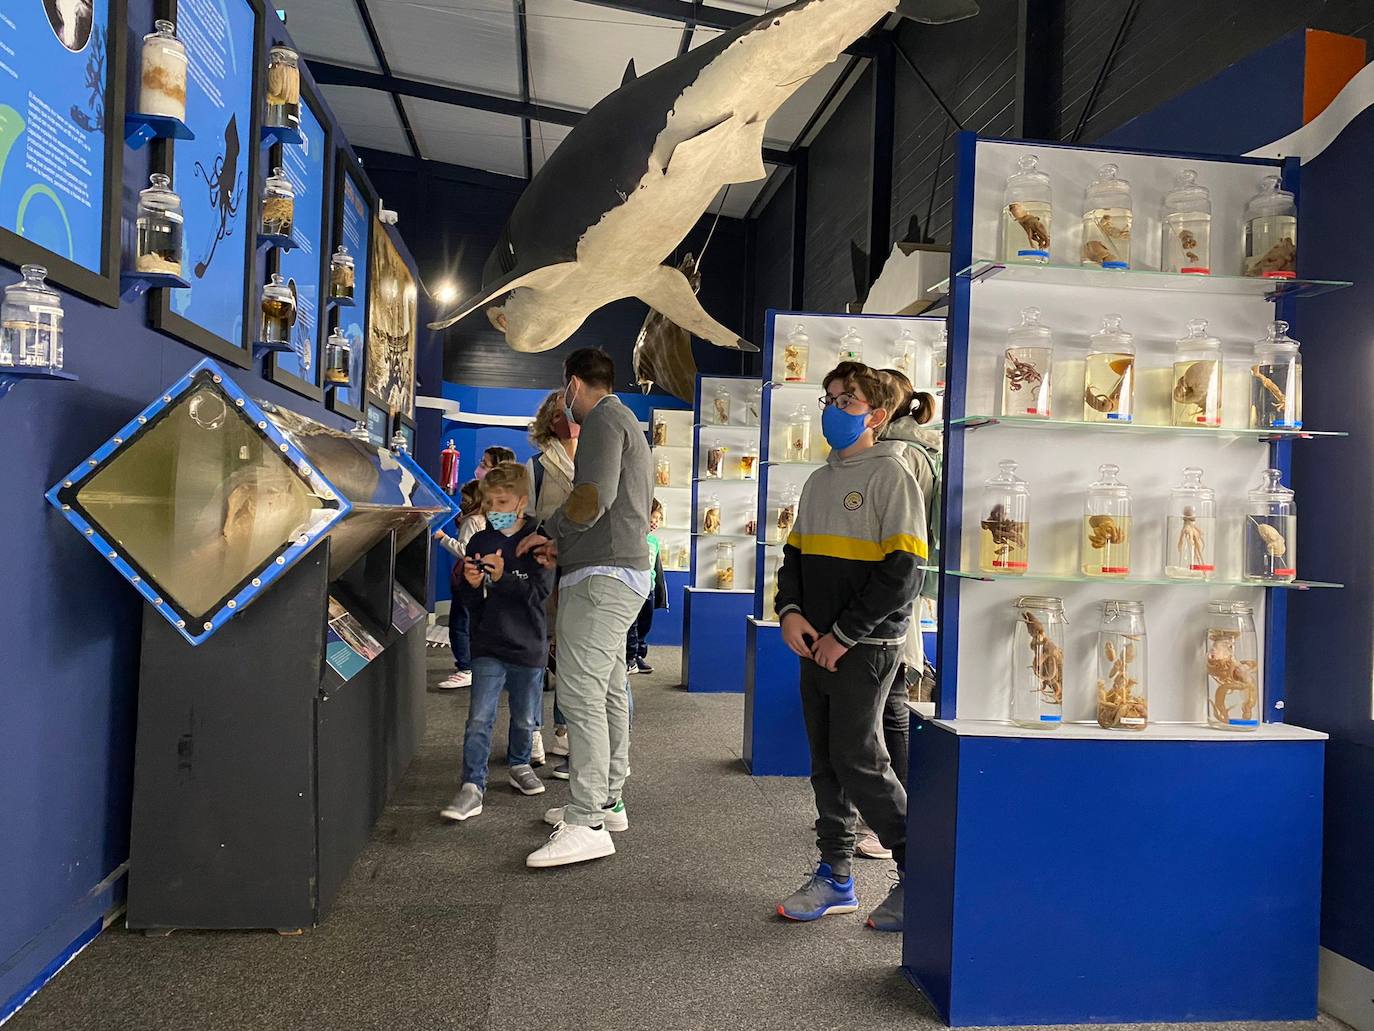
x,y
839,185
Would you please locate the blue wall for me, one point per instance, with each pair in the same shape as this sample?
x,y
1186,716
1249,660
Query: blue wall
x,y
71,643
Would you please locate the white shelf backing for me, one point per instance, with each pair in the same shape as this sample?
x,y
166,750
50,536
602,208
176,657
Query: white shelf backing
x,y
706,562
879,334
679,427
1154,732
738,497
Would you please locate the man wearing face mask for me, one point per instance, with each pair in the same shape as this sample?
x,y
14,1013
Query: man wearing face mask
x,y
596,539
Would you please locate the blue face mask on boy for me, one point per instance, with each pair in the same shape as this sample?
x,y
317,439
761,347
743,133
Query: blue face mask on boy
x,y
503,521
842,429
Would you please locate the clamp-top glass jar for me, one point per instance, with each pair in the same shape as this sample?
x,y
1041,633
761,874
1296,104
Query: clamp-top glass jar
x,y
278,205
278,311
1271,532
1028,369
1230,653
160,228
162,78
1276,381
1122,694
1190,529
283,88
1107,525
31,322
1037,662
341,275
1197,378
1186,227
338,360
1107,220
1271,232
1109,374
796,354
1026,212
1004,530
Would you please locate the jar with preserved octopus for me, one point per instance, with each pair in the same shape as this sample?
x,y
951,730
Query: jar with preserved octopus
x,y
796,355
1230,652
1270,532
162,77
1109,374
1190,529
1197,377
798,441
1276,381
1107,525
1271,232
1037,662
1026,213
1107,221
1028,368
1122,691
1186,227
1004,529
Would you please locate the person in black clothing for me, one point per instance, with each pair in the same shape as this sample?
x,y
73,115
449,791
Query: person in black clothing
x,y
637,640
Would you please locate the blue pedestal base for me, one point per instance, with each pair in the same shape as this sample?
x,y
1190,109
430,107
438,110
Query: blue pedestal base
x,y
1064,879
713,638
774,730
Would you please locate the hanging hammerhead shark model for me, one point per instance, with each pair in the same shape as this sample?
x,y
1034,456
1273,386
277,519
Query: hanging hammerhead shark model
x,y
640,169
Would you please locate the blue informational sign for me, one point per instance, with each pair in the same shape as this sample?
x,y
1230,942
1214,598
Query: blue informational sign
x,y
305,167
53,79
377,418
212,172
355,233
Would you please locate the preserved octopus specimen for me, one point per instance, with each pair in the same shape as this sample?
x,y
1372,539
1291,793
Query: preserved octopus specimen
x,y
1047,660
1191,540
1116,697
793,362
787,515
1109,402
1019,373
1104,530
1230,675
1275,391
1188,243
1195,385
751,527
1095,250
1282,257
710,521
1007,534
715,458
1035,230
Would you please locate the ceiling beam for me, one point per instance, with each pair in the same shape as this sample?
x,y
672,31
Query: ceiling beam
x,y
370,27
522,49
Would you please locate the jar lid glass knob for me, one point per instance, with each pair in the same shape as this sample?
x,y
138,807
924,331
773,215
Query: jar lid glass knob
x,y
33,274
1027,163
1197,327
1111,323
1030,316
164,27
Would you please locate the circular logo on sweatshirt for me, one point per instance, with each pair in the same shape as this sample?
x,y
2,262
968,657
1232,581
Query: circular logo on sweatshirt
x,y
853,500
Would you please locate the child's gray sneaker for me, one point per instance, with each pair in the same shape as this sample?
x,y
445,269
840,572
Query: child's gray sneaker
x,y
465,805
524,780
888,916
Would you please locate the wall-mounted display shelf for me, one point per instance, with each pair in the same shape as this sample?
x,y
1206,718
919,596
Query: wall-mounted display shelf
x,y
1094,277
670,441
1129,581
1221,433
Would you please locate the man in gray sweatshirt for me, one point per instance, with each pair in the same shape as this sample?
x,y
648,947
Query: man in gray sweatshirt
x,y
598,540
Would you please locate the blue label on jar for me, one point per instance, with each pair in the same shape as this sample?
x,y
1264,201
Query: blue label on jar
x,y
1243,723
1116,264
1032,254
1050,719
1118,417
1279,424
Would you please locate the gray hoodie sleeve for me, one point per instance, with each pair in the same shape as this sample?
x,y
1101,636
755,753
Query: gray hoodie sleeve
x,y
600,448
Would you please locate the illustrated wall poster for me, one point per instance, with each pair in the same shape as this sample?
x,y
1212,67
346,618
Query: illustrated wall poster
x,y
306,166
215,174
353,229
61,103
392,315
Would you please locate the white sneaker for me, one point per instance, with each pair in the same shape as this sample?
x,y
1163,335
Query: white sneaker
x,y
465,805
560,744
459,678
537,749
569,844
617,819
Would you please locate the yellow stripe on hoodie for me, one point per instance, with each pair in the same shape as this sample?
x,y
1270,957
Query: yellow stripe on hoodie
x,y
835,546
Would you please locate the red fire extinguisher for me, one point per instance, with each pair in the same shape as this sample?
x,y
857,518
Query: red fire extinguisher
x,y
448,468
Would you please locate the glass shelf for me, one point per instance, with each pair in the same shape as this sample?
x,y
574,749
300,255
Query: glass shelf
x,y
725,536
1129,581
709,480
724,426
1143,279
799,465
779,384
973,422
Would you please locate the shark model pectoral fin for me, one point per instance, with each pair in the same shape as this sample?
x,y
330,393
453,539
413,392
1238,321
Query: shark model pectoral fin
x,y
937,12
669,293
545,278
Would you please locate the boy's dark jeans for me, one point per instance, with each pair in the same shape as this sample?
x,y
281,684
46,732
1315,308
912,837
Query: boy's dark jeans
x,y
636,641
850,767
459,639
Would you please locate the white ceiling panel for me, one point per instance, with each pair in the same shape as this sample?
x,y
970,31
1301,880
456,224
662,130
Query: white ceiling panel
x,y
544,140
462,136
785,126
738,198
466,43
700,36
331,31
578,52
368,118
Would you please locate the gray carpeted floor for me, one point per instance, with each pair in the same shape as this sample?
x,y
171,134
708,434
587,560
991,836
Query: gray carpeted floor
x,y
441,926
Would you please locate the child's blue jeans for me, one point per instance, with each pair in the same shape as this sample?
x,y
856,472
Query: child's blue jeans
x,y
525,685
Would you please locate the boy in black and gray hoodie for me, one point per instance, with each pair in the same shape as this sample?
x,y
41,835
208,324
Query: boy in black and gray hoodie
x,y
849,575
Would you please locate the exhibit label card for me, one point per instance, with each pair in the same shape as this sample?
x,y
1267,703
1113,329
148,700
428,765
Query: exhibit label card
x,y
211,171
304,166
52,125
355,234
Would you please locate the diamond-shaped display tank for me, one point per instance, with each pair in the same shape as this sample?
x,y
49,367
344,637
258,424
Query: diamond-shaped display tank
x,y
207,496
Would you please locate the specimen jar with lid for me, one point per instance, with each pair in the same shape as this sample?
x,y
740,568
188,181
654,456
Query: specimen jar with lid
x,y
1271,232
796,354
162,77
1186,227
720,404
1270,532
904,357
1276,381
278,311
1037,662
31,322
749,463
160,228
784,514
1026,213
715,459
341,275
1109,374
710,514
663,471
1230,653
1028,367
1197,377
660,430
1004,530
283,88
1107,220
1190,529
278,205
1122,695
725,566
851,347
939,358
754,411
798,444
1107,525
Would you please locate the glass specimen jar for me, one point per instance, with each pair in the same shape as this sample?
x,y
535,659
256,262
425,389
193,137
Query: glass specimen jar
x,y
784,515
283,88
1276,381
162,77
1186,227
725,566
684,557
796,355
341,275
159,228
1109,374
1271,232
939,357
1026,388
1004,531
660,431
1190,529
1122,695
851,347
1197,378
1026,212
771,563
904,354
1107,220
31,322
278,205
1270,533
715,460
1037,662
749,463
663,472
754,410
798,447
1107,525
710,514
278,311
1231,655
720,405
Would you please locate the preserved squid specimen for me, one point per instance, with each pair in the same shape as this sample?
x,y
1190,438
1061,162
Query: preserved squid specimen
x,y
1121,661
1197,378
1187,227
1026,213
1109,374
1271,232
1107,220
1231,654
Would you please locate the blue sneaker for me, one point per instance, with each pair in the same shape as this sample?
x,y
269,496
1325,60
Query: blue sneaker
x,y
819,896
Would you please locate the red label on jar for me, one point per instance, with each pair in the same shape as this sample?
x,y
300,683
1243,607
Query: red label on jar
x,y
1116,569
1009,565
1196,270
1203,569
1204,421
1285,572
1280,274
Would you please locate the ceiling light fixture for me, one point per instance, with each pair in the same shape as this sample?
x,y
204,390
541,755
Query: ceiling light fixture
x,y
446,292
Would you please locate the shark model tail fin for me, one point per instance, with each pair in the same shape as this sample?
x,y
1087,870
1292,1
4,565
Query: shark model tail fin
x,y
937,12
